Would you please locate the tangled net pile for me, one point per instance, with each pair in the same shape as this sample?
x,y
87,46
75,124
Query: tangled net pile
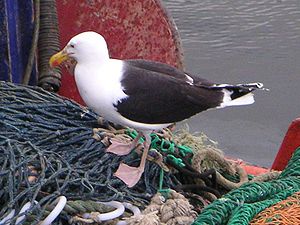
x,y
51,147
47,150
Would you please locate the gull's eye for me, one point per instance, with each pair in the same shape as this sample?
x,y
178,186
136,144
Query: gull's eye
x,y
72,45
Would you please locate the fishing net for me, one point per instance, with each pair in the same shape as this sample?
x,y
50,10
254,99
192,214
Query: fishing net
x,y
285,212
52,148
241,205
47,150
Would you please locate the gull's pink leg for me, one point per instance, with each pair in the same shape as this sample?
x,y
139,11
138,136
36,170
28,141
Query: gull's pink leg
x,y
120,148
131,175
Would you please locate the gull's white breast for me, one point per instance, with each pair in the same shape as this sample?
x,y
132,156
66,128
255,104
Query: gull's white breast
x,y
100,88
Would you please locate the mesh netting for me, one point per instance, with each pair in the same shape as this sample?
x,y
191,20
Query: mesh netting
x,y
285,212
47,150
241,205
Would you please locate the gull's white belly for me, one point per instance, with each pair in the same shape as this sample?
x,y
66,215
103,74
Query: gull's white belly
x,y
100,88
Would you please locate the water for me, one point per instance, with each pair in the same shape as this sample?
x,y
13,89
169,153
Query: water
x,y
238,41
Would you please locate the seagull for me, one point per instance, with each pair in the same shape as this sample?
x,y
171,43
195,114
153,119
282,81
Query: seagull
x,y
142,94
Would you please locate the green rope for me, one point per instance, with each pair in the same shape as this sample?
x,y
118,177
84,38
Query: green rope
x,y
164,192
175,160
168,148
247,211
241,205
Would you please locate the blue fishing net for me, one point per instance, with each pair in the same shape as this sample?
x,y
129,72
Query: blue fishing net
x,y
47,150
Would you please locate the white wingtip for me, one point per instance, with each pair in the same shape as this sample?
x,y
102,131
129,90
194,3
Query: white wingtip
x,y
243,100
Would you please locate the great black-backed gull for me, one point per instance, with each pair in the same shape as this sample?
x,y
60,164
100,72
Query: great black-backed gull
x,y
141,94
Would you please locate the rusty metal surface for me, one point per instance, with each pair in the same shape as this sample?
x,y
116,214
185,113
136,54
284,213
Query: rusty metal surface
x,y
132,28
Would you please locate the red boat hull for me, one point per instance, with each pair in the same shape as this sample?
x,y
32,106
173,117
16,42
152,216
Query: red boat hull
x,y
132,28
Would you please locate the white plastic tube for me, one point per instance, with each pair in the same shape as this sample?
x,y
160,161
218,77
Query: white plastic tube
x,y
135,210
8,217
110,215
23,209
62,201
12,213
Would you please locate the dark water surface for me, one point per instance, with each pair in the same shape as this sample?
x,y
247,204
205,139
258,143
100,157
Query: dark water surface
x,y
238,41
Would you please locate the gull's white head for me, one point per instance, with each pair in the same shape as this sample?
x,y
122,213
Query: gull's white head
x,y
86,47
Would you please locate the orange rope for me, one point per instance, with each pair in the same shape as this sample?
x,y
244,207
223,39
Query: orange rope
x,y
286,212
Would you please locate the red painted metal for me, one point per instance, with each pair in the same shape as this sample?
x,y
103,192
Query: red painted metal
x,y
290,143
132,28
254,170
250,168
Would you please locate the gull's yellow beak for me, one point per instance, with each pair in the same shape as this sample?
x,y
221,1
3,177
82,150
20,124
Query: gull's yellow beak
x,y
58,58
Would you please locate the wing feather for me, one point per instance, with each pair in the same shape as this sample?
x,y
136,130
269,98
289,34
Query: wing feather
x,y
159,93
